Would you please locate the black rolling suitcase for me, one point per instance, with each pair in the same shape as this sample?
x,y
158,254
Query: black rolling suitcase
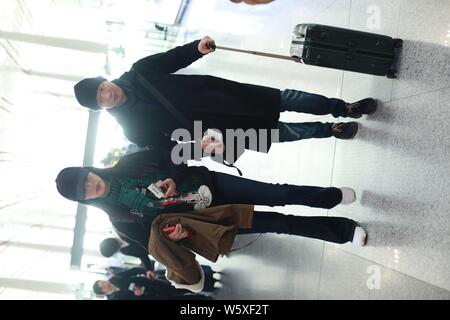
x,y
339,48
346,49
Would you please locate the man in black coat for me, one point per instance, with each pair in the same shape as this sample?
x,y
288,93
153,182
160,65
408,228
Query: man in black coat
x,y
133,284
110,246
149,115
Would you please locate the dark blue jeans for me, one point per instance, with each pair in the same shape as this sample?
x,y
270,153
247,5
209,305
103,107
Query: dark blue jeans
x,y
332,229
230,189
303,130
299,101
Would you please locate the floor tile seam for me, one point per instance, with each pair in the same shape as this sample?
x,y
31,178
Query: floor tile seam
x,y
419,94
393,270
320,270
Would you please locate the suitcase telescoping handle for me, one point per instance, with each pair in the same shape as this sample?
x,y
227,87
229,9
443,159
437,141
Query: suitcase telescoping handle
x,y
212,45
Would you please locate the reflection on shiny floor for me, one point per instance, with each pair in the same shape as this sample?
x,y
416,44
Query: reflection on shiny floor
x,y
398,163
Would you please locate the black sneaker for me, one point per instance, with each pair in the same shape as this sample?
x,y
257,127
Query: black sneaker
x,y
344,130
358,108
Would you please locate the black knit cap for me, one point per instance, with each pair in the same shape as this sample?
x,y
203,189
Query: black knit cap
x,y
70,183
97,289
86,92
109,246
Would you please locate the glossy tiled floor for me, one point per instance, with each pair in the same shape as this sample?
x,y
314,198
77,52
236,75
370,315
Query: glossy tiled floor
x,y
398,163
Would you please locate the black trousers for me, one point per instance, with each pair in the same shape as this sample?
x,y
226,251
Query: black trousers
x,y
235,190
332,229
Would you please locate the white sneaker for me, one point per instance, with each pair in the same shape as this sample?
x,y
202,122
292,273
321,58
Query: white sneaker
x,y
348,195
359,237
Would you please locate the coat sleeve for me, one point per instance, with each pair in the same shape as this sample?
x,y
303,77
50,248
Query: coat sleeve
x,y
153,159
136,250
177,282
136,232
170,61
146,136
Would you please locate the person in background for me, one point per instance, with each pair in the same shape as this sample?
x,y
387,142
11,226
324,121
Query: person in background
x,y
111,246
149,102
133,284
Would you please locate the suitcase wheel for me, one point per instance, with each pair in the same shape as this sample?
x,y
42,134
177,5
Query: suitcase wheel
x,y
398,43
391,74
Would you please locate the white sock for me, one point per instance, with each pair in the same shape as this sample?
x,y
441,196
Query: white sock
x,y
348,195
359,237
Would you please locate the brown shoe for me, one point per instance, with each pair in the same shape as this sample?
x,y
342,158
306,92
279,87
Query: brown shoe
x,y
364,106
344,130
